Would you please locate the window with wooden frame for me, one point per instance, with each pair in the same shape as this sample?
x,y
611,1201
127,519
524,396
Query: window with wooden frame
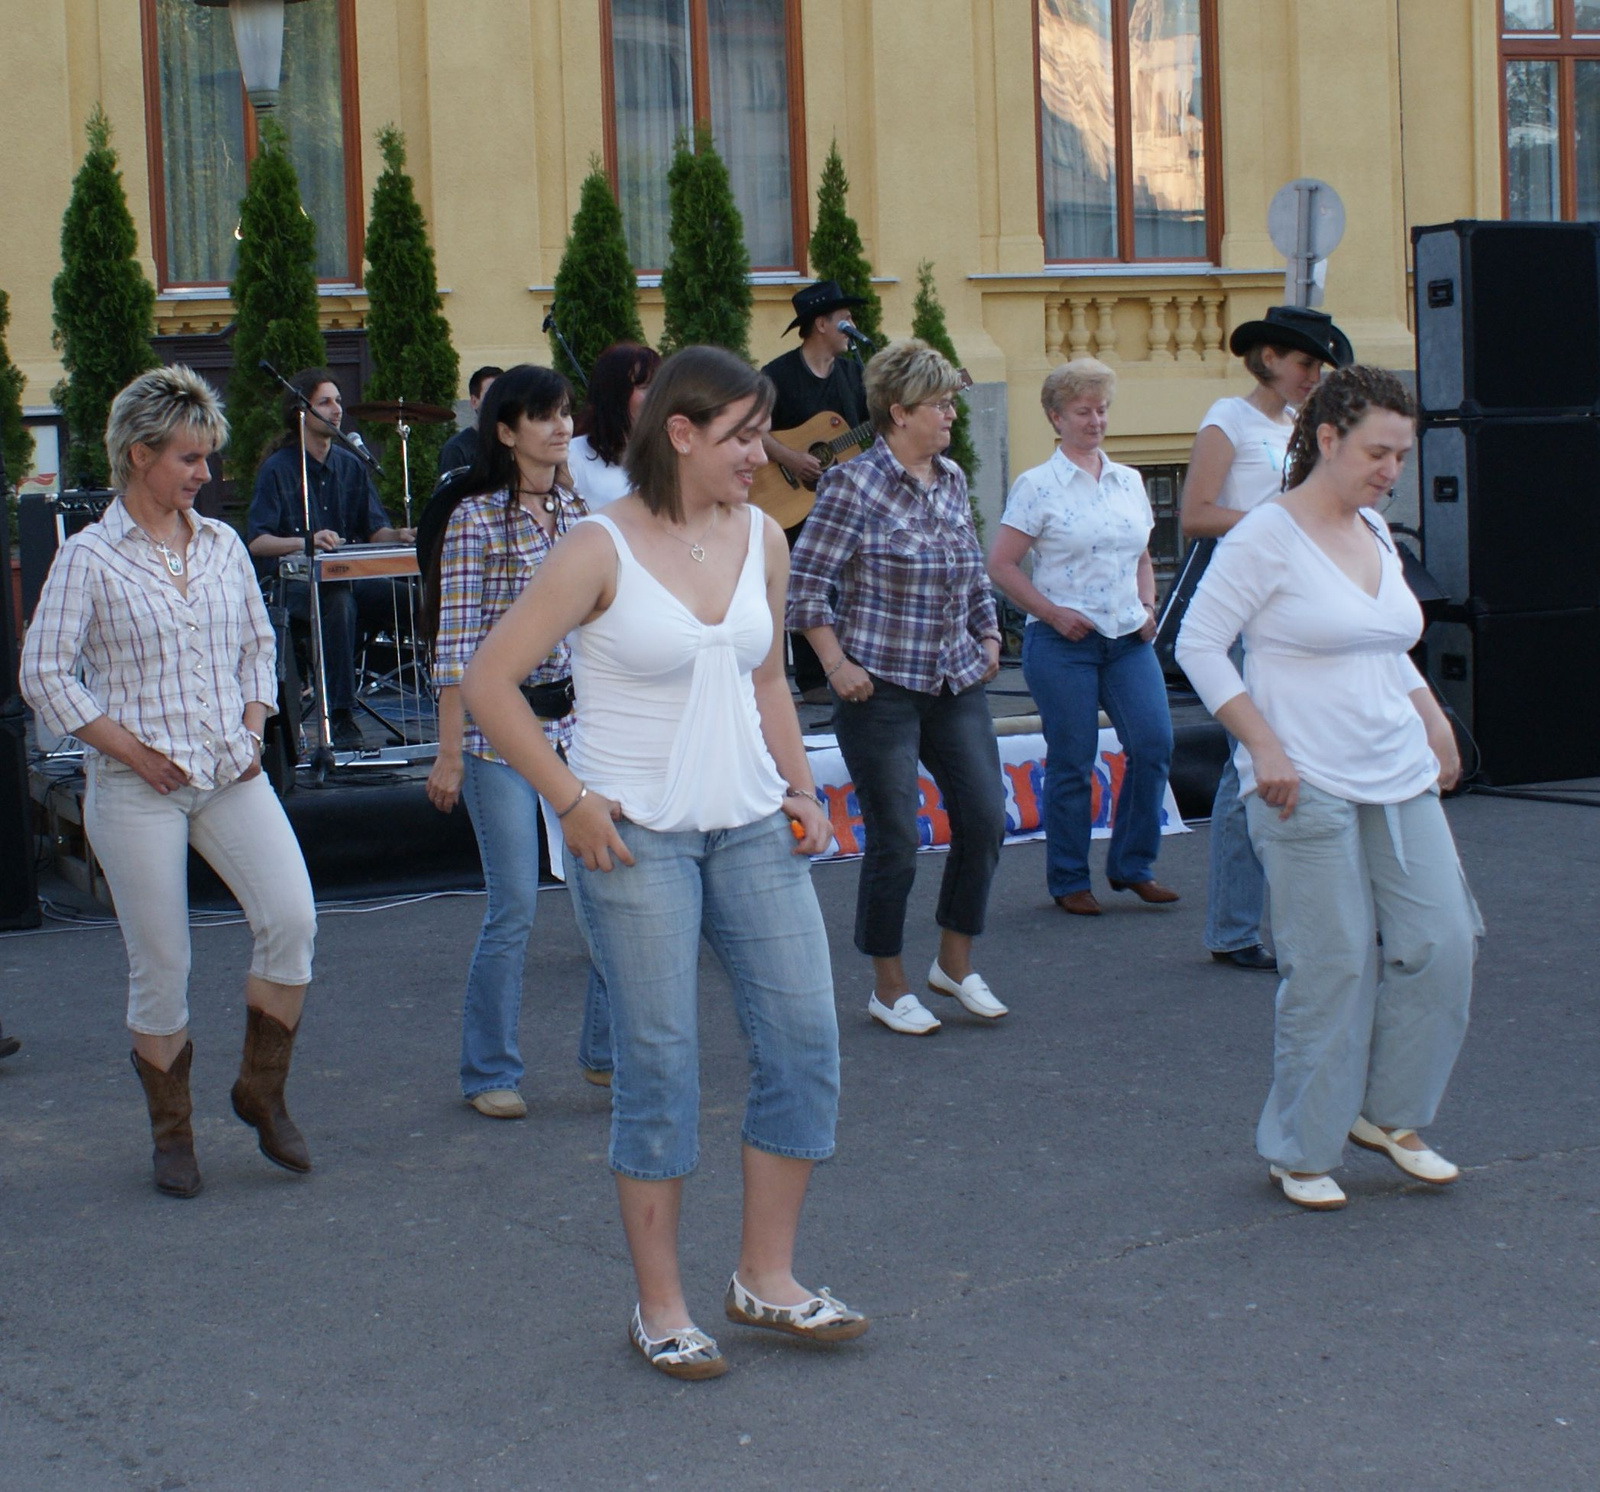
x,y
1126,120
1550,108
734,65
201,134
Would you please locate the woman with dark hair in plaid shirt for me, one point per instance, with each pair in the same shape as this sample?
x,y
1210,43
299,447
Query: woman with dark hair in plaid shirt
x,y
508,515
889,587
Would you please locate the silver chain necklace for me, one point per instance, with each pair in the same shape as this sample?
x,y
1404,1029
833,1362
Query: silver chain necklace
x,y
696,549
175,564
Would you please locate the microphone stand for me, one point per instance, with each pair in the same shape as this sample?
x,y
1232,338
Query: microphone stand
x,y
551,325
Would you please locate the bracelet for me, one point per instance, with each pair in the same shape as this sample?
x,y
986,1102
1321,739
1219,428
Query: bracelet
x,y
583,793
839,663
261,744
816,797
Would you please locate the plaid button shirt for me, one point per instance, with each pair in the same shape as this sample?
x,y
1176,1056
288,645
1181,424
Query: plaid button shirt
x,y
175,671
485,565
913,600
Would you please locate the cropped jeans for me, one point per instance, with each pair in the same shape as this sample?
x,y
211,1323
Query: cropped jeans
x,y
1071,682
749,895
505,816
1361,1029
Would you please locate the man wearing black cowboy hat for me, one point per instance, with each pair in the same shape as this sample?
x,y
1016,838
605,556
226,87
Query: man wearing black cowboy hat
x,y
817,376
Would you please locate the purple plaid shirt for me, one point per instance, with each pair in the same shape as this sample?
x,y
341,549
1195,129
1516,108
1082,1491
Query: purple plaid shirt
x,y
482,570
913,600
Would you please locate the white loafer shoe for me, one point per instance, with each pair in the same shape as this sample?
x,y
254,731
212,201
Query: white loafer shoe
x,y
1319,1193
1424,1164
909,1015
972,992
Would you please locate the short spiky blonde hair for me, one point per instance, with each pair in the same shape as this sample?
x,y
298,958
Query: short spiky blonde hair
x,y
153,408
907,372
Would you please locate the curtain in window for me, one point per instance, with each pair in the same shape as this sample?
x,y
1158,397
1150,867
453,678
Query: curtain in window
x,y
750,119
311,110
654,105
202,135
1078,129
1169,149
1533,148
202,140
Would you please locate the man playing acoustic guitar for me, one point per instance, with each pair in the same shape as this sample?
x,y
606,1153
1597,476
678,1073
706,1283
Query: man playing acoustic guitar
x,y
817,376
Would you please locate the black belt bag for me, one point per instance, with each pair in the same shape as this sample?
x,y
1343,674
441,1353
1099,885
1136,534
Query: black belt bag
x,y
549,701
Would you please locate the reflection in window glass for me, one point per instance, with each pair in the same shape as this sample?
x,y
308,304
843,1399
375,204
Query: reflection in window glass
x,y
1586,106
1077,129
1531,15
750,120
1586,17
1532,143
651,84
1169,176
202,140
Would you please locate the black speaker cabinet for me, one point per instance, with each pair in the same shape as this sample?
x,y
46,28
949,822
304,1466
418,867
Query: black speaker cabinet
x,y
1508,317
1511,512
44,524
1523,685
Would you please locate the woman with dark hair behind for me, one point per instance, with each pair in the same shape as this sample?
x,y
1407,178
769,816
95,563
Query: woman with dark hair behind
x,y
507,515
1342,753
617,385
688,811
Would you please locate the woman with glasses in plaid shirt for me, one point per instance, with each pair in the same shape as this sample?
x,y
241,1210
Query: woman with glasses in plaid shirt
x,y
889,587
508,515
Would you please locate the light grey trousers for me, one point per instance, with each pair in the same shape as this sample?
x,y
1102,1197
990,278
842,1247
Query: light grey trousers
x,y
1361,1029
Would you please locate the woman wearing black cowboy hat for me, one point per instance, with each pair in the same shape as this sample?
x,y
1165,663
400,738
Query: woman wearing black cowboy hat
x,y
1237,462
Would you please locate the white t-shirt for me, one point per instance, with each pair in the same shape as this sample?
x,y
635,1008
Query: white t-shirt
x,y
1260,452
1088,537
597,482
1324,662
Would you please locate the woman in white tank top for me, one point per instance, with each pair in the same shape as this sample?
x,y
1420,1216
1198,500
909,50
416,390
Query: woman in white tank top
x,y
688,810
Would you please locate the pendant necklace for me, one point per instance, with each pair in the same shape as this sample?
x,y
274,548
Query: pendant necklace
x,y
547,500
696,549
174,561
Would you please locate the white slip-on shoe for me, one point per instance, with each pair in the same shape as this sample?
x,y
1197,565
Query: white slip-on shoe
x,y
1319,1193
499,1103
972,992
1424,1164
908,1015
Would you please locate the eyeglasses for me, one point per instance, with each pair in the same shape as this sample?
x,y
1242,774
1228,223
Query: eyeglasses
x,y
944,406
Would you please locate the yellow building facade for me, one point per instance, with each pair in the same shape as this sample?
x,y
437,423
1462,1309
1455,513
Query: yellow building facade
x,y
935,106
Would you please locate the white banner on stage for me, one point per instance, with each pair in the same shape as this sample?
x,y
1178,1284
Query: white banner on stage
x,y
1022,761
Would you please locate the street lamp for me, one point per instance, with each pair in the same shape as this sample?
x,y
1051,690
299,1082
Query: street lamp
x,y
258,39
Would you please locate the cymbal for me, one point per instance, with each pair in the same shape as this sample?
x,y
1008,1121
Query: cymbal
x,y
393,411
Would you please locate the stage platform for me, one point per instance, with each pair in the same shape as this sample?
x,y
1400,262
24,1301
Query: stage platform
x,y
368,830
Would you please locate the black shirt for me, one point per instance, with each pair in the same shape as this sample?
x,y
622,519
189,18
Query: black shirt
x,y
342,497
801,394
460,450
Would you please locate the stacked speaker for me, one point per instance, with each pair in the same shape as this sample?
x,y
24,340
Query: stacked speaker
x,y
1508,378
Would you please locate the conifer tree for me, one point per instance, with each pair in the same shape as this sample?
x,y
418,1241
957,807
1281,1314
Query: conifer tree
x,y
16,443
274,294
412,355
927,322
705,284
836,252
596,290
104,306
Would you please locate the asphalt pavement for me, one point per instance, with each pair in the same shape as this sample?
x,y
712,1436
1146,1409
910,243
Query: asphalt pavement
x,y
1078,1274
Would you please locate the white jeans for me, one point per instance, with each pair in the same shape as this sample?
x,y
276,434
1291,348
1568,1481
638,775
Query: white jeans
x,y
141,838
1361,1030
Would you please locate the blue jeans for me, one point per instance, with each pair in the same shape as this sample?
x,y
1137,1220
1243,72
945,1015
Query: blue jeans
x,y
1071,682
750,896
1236,888
505,816
881,739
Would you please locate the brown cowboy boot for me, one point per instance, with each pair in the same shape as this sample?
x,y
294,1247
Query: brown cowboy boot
x,y
258,1095
167,1094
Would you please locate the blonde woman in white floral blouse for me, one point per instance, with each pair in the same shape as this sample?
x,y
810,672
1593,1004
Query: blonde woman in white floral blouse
x,y
1091,617
151,645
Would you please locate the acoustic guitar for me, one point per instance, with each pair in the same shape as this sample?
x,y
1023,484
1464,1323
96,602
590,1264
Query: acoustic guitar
x,y
825,436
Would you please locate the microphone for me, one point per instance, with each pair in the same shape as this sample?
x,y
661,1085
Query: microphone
x,y
859,338
361,450
549,319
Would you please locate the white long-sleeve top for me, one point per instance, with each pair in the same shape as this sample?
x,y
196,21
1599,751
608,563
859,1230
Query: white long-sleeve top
x,y
1325,663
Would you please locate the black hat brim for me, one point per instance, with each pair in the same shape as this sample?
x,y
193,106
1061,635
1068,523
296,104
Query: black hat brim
x,y
1250,334
822,310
